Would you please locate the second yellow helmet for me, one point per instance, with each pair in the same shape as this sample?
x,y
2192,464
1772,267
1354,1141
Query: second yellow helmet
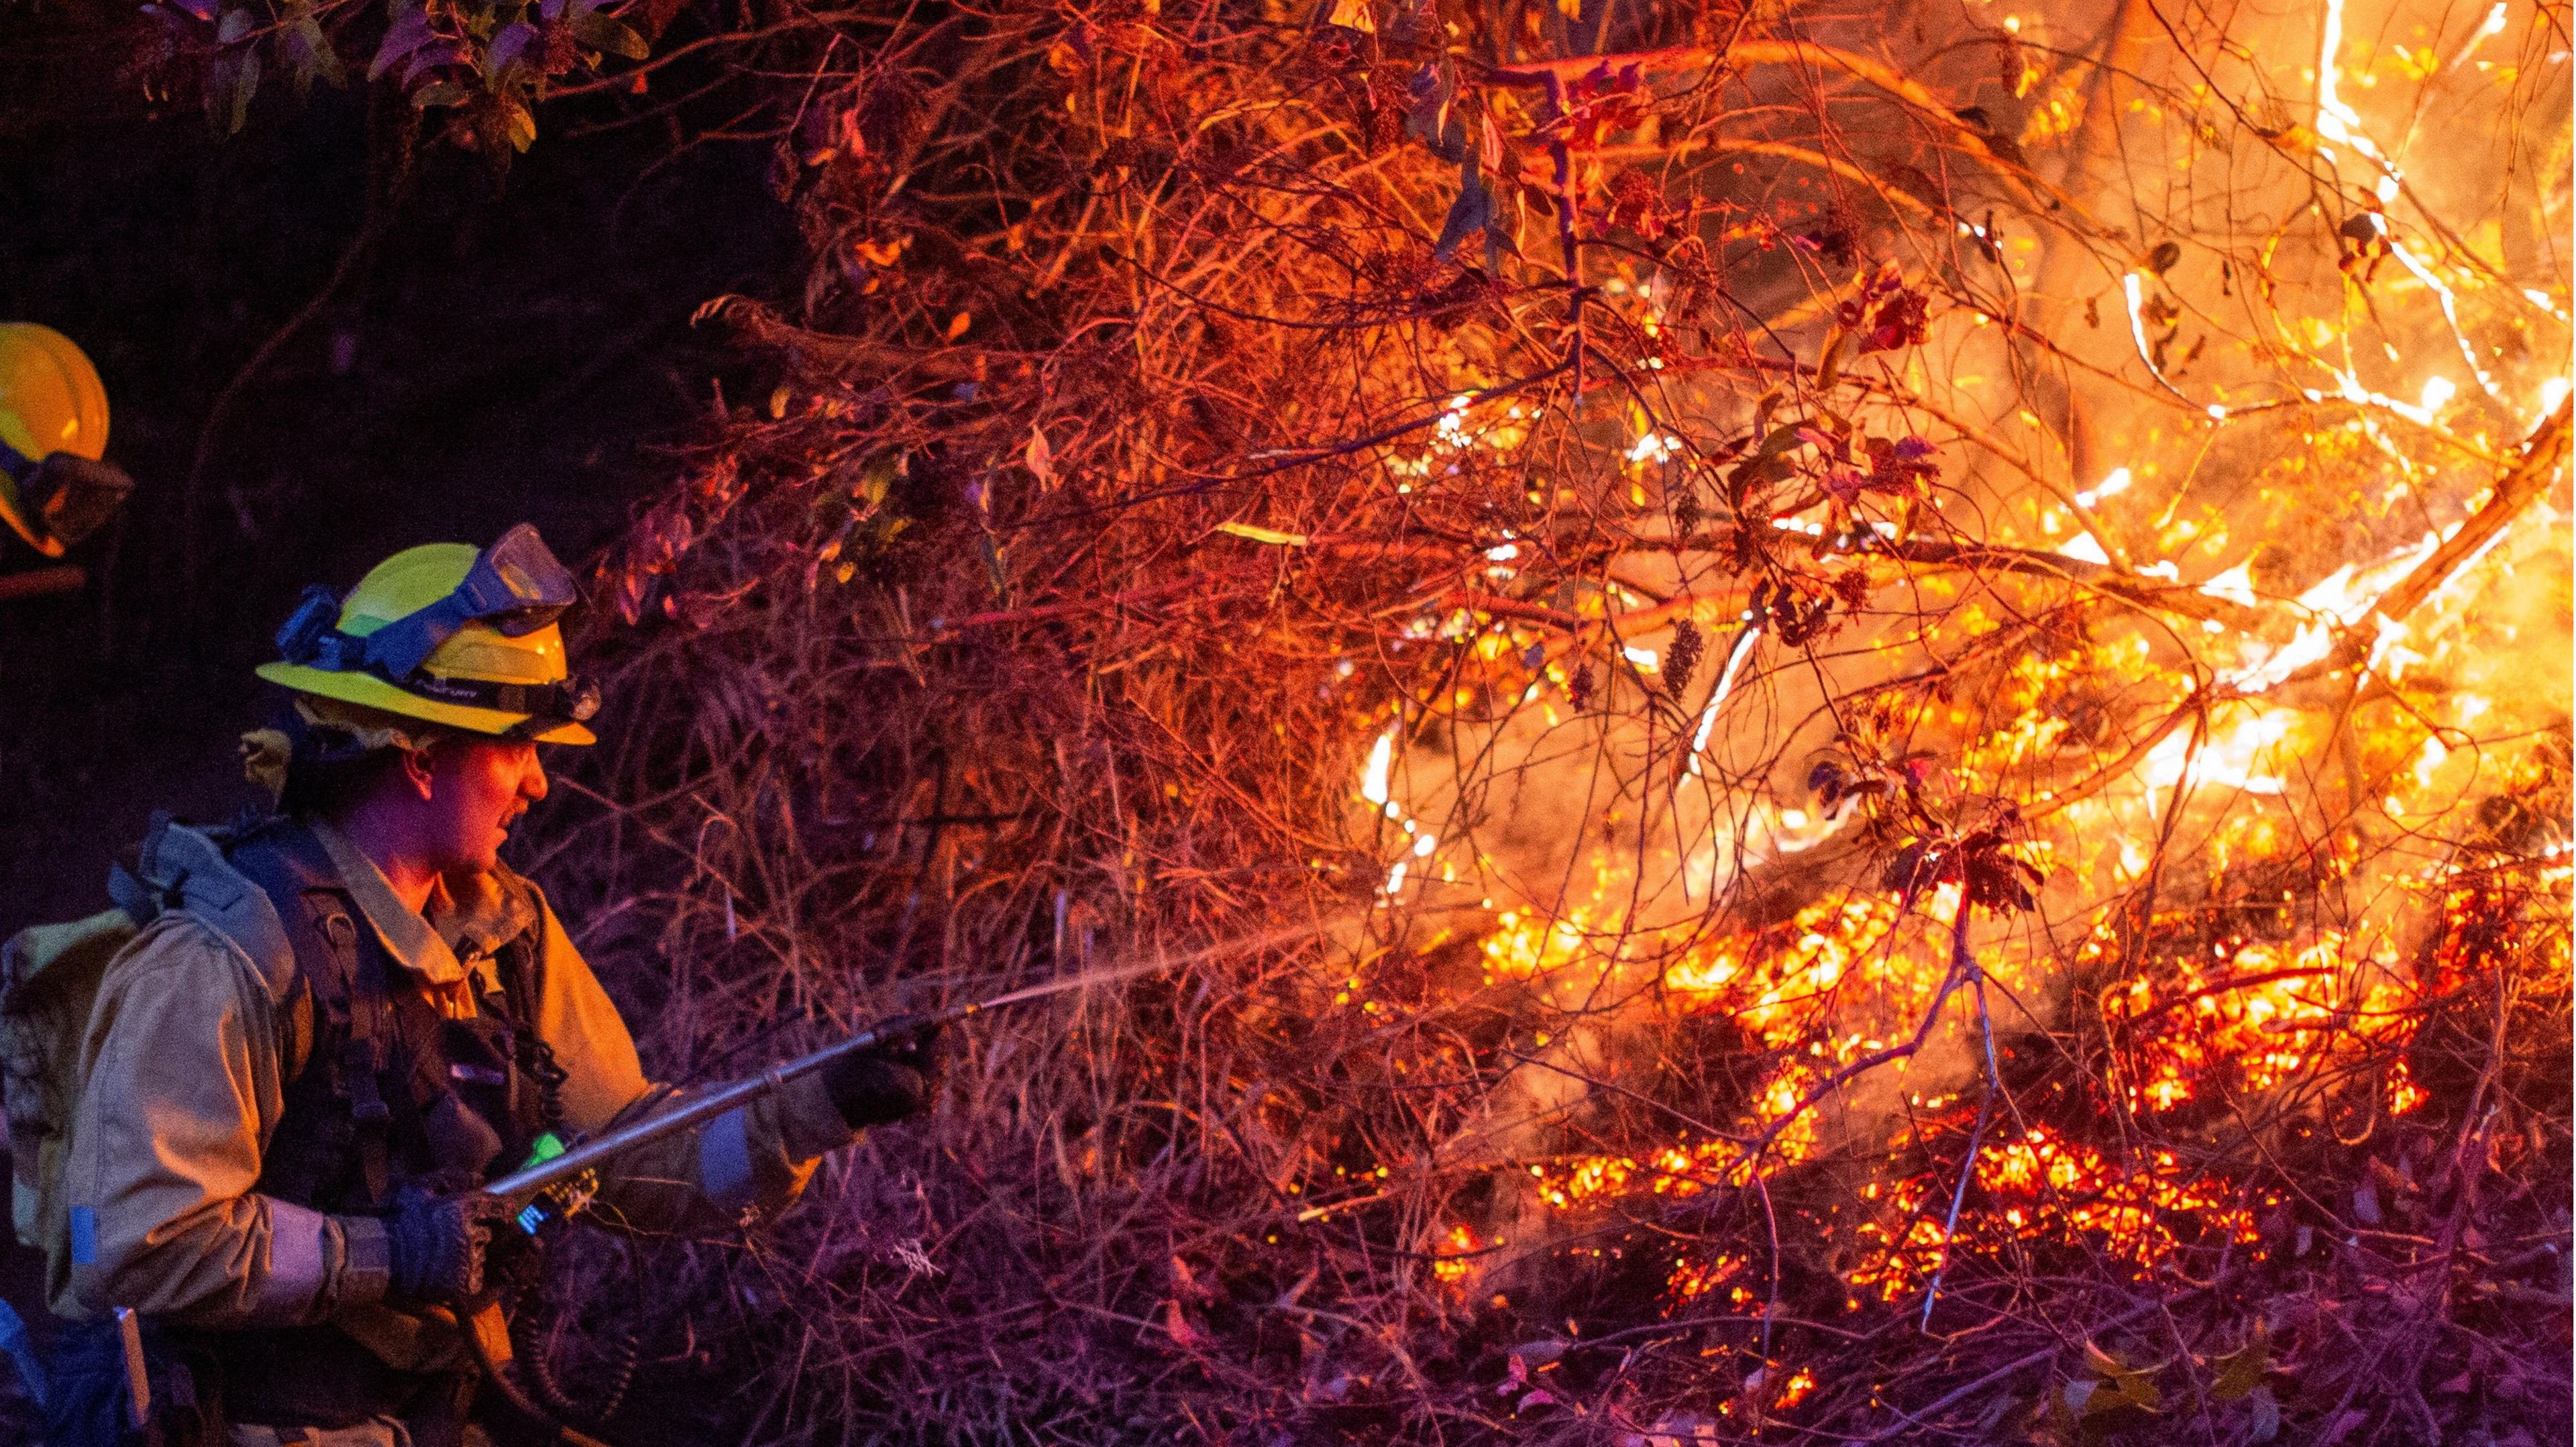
x,y
51,401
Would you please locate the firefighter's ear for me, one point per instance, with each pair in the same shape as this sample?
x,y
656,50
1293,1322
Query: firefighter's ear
x,y
419,772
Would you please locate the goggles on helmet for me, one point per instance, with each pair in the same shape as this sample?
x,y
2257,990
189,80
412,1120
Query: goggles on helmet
x,y
515,587
64,496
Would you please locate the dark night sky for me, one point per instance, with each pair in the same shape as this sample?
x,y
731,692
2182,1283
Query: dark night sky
x,y
492,357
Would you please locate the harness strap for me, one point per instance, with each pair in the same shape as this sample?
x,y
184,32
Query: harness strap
x,y
366,1052
347,983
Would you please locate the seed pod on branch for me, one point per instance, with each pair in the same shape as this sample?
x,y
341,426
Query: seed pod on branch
x,y
1681,659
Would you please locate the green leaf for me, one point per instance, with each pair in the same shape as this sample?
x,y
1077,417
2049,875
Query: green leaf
x,y
2103,1364
235,24
606,34
2063,1425
218,85
245,85
1782,438
439,93
299,64
2241,1372
2140,1390
1473,211
518,45
408,32
306,50
1770,470
326,61
2078,1394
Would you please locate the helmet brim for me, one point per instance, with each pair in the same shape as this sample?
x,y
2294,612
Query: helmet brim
x,y
374,692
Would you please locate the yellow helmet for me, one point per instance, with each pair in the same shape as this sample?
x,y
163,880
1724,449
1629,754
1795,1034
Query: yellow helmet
x,y
51,402
450,635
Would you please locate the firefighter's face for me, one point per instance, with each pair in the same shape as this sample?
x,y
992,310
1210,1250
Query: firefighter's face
x,y
474,790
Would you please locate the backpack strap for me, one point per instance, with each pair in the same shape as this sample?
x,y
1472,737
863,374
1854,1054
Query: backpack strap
x,y
181,866
365,1053
351,994
143,892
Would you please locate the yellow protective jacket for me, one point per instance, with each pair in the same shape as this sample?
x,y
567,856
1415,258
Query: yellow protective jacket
x,y
184,1067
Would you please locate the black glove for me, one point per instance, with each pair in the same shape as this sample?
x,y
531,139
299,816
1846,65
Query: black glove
x,y
437,1244
889,1080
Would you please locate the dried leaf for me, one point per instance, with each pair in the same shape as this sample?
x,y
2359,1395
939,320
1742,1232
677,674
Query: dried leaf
x,y
994,572
1263,535
1039,458
1829,365
877,478
518,123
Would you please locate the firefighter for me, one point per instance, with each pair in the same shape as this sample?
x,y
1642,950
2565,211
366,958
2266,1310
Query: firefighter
x,y
54,488
340,1017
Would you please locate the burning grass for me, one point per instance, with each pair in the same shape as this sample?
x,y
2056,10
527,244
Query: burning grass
x,y
1880,706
